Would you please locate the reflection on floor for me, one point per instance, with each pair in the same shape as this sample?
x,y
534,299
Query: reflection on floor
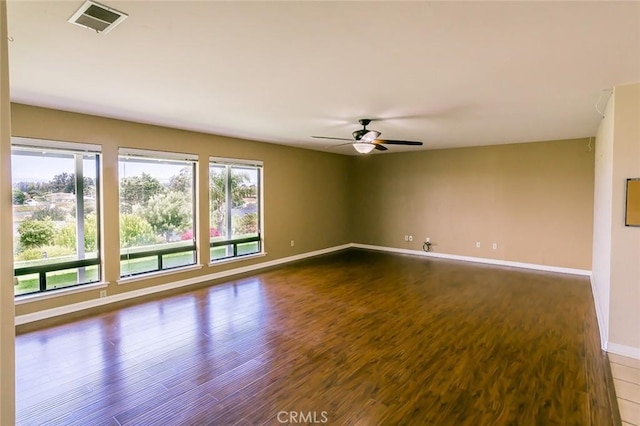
x,y
353,337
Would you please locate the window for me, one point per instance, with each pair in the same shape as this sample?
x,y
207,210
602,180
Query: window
x,y
157,211
234,208
56,214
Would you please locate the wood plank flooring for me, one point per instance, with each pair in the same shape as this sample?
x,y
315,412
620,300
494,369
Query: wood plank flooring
x,y
355,337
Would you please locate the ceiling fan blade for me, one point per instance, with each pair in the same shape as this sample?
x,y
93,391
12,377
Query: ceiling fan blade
x,y
340,144
336,139
395,142
381,147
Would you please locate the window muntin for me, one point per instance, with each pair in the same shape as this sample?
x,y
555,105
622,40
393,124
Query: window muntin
x,y
234,208
56,195
157,211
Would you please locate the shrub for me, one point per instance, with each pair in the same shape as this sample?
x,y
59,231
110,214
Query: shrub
x,y
246,224
51,251
188,234
135,231
36,233
54,213
18,197
66,236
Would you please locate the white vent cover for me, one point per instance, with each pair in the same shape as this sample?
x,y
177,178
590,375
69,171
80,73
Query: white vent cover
x,y
97,17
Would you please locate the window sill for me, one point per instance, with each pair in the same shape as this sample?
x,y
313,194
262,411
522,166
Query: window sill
x,y
236,259
155,274
28,298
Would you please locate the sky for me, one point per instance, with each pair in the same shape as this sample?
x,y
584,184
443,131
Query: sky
x,y
31,168
42,167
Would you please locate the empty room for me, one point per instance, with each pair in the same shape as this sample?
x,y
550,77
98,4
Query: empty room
x,y
319,212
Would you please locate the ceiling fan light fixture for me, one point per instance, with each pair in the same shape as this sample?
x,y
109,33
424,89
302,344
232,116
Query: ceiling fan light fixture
x,y
364,147
370,136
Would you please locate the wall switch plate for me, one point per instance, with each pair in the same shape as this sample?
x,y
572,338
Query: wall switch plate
x,y
293,243
428,239
495,246
103,293
478,244
406,238
410,237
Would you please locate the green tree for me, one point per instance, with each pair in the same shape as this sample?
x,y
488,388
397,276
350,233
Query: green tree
x,y
63,182
34,189
135,231
66,182
36,233
183,181
169,212
247,191
218,196
137,191
18,197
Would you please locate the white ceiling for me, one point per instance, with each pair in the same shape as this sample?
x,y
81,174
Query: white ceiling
x,y
449,74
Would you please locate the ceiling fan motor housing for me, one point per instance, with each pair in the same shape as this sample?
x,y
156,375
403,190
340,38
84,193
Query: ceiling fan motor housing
x,y
358,134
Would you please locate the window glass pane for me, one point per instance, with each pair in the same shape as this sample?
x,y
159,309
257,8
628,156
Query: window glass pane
x,y
156,211
71,277
55,197
175,260
221,252
218,218
26,284
138,266
234,208
248,248
244,209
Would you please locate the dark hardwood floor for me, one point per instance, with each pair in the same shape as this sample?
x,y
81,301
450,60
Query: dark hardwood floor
x,y
355,337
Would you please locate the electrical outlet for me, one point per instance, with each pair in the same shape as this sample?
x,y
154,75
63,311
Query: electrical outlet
x,y
428,239
495,246
406,238
478,244
103,293
410,237
293,243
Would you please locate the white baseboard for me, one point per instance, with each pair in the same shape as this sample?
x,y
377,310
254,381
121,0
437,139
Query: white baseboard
x,y
498,262
76,307
628,351
604,332
93,303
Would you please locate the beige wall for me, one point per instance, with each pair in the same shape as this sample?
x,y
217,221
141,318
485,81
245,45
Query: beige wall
x,y
304,191
624,310
7,330
616,248
534,200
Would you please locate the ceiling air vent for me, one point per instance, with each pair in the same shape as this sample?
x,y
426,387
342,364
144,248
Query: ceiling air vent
x,y
97,17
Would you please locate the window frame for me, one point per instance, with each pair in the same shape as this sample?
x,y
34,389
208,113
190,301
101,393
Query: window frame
x,y
188,159
77,150
234,243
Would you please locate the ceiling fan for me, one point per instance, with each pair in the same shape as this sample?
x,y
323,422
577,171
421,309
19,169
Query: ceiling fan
x,y
366,140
